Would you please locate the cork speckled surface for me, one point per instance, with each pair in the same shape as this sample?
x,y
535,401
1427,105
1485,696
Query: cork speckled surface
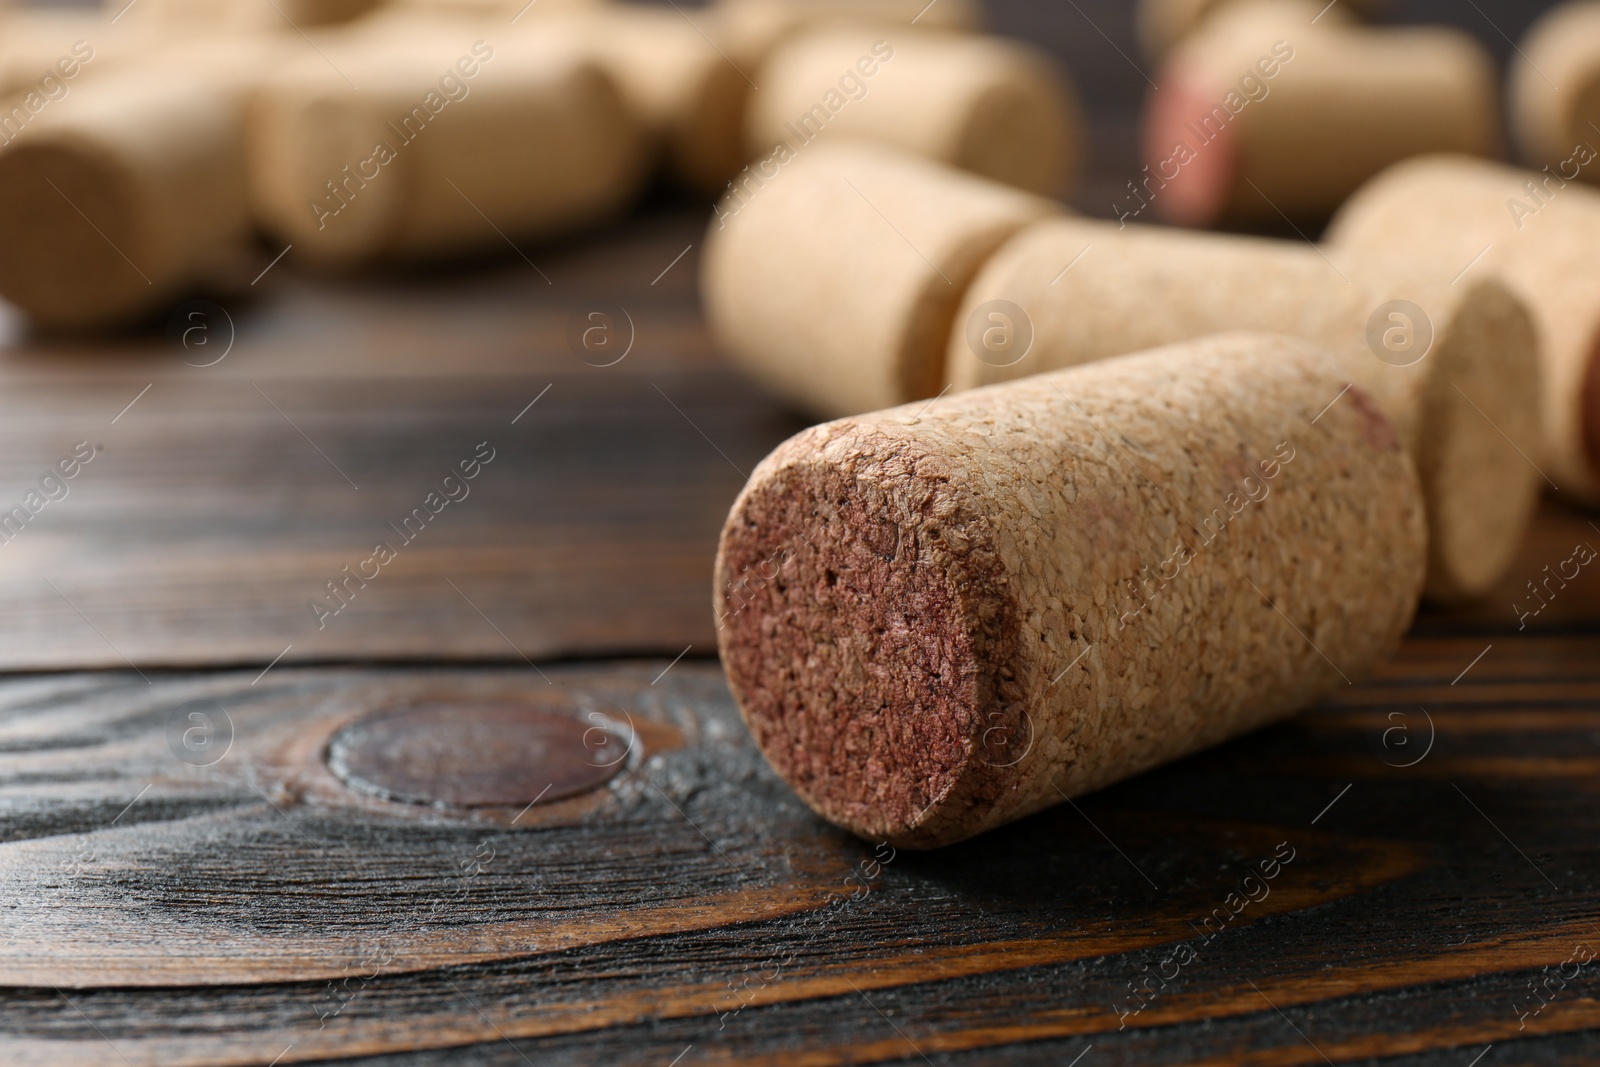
x,y
832,278
419,161
937,621
1313,106
1454,216
994,107
1089,290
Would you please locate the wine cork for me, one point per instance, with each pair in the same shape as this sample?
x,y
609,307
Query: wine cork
x,y
751,29
1455,367
675,78
1471,218
1161,24
127,192
1553,94
834,280
442,149
49,53
493,14
235,16
935,622
997,108
1262,115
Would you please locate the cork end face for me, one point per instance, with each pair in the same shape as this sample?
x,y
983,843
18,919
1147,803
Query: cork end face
x,y
1481,491
1191,150
858,610
1022,131
59,268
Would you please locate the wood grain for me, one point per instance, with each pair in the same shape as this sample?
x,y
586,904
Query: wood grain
x,y
226,497
254,910
690,902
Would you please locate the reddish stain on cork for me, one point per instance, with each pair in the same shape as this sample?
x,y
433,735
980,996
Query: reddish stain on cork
x,y
1376,429
861,668
1183,115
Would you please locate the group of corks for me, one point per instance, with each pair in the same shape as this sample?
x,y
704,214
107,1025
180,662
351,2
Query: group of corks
x,y
146,150
1086,524
1099,493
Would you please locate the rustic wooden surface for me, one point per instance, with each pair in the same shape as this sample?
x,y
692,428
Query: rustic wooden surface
x,y
183,880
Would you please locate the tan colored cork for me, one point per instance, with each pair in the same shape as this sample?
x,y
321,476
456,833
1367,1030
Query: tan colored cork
x,y
130,188
833,279
393,148
37,47
999,109
1456,368
1454,216
935,622
1161,24
237,16
1262,114
1553,92
751,29
677,80
495,14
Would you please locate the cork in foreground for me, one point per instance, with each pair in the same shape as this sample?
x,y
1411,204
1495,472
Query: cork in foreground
x,y
936,621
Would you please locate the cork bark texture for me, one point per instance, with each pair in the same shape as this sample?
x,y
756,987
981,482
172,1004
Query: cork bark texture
x,y
1342,103
1553,90
1538,234
535,141
833,279
1137,287
999,109
938,621
157,161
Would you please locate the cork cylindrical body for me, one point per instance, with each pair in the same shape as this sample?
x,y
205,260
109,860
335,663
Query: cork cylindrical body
x,y
440,150
49,54
1456,367
1161,24
676,80
1261,116
113,204
494,14
938,621
236,16
750,29
1538,233
1553,92
996,108
833,278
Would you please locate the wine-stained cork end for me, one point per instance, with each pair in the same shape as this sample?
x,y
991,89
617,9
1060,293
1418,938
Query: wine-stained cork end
x,y
939,618
860,603
1191,151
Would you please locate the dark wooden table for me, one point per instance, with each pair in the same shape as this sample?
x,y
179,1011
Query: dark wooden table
x,y
199,865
